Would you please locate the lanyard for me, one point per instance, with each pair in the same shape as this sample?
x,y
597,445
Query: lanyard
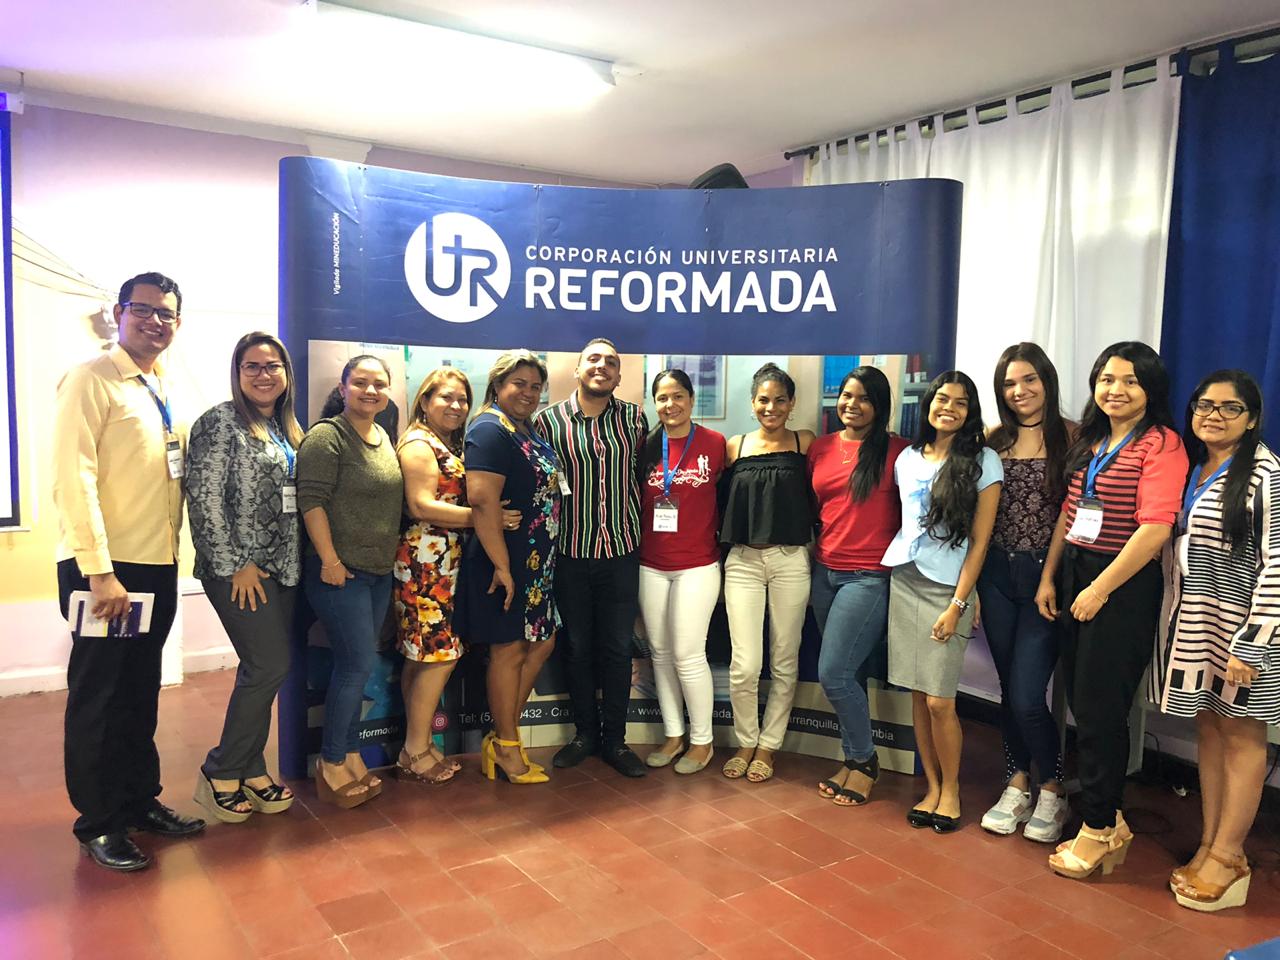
x,y
290,455
1196,489
667,472
162,405
1101,460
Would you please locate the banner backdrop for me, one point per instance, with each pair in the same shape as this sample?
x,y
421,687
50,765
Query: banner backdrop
x,y
393,263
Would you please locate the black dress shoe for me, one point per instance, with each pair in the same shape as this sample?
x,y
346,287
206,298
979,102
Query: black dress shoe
x,y
623,759
945,824
919,818
573,753
167,823
115,851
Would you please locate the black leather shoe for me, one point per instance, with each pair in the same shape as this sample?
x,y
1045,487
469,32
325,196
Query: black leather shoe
x,y
944,824
623,759
161,820
573,753
919,818
115,851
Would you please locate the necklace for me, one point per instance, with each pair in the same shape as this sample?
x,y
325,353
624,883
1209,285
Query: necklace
x,y
847,454
1028,426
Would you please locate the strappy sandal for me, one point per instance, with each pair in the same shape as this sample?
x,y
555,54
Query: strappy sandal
x,y
439,772
1180,874
1196,894
828,789
222,803
344,796
758,771
734,768
870,769
1067,863
270,799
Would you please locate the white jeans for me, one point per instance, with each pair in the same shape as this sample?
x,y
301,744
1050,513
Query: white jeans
x,y
677,606
778,576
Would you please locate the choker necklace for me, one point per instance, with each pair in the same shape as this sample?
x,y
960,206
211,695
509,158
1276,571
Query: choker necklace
x,y
1030,425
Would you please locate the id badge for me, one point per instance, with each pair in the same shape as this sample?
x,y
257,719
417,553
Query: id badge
x,y
666,515
289,498
1088,522
564,483
173,456
1181,543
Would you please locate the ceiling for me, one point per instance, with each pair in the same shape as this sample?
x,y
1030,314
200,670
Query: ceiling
x,y
718,80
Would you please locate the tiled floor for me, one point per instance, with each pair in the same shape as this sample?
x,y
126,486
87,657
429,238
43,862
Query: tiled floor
x,y
589,866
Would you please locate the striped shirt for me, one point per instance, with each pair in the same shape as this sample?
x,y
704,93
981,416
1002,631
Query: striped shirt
x,y
600,516
1142,484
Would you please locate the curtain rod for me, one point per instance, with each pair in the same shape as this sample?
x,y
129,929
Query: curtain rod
x,y
1201,50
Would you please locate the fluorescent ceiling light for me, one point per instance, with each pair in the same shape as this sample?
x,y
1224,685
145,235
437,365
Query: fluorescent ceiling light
x,y
452,70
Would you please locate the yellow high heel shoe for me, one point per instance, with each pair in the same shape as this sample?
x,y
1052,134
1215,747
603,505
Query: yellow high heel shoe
x,y
487,744
531,775
487,755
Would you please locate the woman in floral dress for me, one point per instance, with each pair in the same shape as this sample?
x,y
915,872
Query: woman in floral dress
x,y
505,595
426,568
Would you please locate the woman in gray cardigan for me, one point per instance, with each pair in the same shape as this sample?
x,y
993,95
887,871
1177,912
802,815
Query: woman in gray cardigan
x,y
244,524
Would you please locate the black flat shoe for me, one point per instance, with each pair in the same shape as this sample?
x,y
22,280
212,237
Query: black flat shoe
x,y
573,753
623,759
919,818
159,819
115,851
945,824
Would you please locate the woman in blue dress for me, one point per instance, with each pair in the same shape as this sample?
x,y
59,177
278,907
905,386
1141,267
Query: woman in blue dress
x,y
505,595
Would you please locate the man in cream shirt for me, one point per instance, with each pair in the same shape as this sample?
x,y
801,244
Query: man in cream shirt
x,y
117,470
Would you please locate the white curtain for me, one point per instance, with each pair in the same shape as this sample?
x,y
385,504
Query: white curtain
x,y
1066,214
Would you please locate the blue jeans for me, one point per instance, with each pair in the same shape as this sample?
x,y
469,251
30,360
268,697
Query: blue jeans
x,y
852,610
352,616
1025,647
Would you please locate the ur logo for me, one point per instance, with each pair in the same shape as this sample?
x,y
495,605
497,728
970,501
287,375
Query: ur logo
x,y
457,267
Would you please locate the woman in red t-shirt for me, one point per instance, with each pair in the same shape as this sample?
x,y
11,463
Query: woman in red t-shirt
x,y
680,567
859,513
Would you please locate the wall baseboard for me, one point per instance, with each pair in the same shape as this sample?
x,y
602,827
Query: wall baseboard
x,y
44,679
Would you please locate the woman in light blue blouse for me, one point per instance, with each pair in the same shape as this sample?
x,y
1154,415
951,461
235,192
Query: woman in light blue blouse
x,y
241,499
949,482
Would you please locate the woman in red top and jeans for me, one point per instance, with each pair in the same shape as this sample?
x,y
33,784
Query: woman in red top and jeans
x,y
1125,489
859,513
680,567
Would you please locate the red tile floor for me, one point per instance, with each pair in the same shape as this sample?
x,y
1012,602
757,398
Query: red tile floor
x,y
591,865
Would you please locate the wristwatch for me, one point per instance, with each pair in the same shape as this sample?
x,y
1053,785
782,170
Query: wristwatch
x,y
962,604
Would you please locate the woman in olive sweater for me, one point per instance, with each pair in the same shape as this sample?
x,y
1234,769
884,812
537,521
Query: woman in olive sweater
x,y
350,494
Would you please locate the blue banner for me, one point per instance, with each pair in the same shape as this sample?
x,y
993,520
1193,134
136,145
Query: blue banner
x,y
369,254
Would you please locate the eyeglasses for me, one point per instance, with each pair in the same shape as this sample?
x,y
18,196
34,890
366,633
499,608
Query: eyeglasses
x,y
1228,411
145,311
273,369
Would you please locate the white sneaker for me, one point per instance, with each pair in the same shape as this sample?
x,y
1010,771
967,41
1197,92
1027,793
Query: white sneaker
x,y
1045,825
1012,809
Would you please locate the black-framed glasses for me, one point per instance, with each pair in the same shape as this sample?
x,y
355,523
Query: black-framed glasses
x,y
145,311
273,369
1228,411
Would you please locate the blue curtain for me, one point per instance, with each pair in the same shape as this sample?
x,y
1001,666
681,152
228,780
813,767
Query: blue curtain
x,y
1222,288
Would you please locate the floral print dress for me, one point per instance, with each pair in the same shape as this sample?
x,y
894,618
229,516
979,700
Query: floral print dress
x,y
531,482
426,569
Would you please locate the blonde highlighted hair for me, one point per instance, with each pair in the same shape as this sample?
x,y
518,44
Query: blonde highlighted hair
x,y
249,414
433,381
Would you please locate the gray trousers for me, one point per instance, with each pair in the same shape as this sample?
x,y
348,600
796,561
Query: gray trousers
x,y
261,640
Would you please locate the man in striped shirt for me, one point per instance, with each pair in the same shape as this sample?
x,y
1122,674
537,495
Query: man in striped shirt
x,y
597,438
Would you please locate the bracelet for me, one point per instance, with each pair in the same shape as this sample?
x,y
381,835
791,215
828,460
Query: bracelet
x,y
1097,596
326,566
962,604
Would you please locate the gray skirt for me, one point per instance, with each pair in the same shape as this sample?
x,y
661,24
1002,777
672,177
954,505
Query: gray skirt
x,y
916,660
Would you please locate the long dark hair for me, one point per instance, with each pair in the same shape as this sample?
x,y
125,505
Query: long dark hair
x,y
867,473
1095,426
953,499
1235,495
652,452
1052,426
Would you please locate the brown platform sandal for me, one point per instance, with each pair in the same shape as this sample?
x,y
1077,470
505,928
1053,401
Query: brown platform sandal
x,y
439,772
342,796
1196,894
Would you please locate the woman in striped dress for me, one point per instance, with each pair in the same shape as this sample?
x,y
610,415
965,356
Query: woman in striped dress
x,y
1219,660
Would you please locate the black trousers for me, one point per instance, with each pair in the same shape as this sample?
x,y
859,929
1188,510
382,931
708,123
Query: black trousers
x,y
598,602
1104,660
113,691
261,639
